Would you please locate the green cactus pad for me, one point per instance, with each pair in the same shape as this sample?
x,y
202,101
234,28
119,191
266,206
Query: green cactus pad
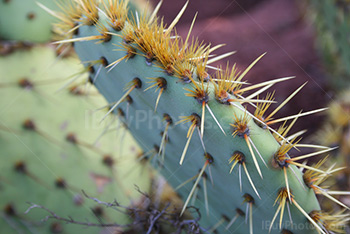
x,y
332,22
162,83
48,155
25,20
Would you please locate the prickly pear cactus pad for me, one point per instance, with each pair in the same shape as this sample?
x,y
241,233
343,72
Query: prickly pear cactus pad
x,y
332,22
192,119
48,153
25,20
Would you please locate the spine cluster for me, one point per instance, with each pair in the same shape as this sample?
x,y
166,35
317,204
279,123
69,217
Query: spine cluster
x,y
238,166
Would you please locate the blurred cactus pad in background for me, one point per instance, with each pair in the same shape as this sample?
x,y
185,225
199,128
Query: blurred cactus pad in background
x,y
332,21
332,24
223,143
25,20
51,149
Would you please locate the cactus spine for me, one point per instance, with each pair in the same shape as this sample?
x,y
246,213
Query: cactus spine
x,y
230,163
47,149
332,23
27,21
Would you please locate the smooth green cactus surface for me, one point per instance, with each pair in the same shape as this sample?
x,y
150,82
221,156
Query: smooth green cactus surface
x,y
25,20
196,125
47,150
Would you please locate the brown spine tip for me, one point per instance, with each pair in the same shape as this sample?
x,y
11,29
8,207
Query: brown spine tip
x,y
196,119
307,180
76,90
128,39
203,76
204,175
156,148
238,156
71,137
60,183
104,61
131,52
169,70
98,211
167,118
279,161
162,83
108,161
10,210
241,129
117,25
315,215
30,16
240,212
166,138
91,80
92,19
107,37
76,31
56,228
20,167
209,158
91,69
28,124
149,58
120,112
129,99
226,218
25,83
223,97
143,159
248,198
137,82
186,76
201,96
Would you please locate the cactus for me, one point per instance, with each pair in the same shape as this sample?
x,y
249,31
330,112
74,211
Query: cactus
x,y
26,20
29,21
335,132
48,154
332,23
229,162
